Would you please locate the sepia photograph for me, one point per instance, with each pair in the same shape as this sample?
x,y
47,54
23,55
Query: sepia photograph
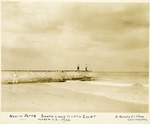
x,y
75,57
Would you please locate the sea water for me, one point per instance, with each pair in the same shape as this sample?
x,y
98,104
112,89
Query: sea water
x,y
126,87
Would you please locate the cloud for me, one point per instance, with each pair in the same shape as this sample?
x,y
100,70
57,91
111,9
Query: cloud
x,y
123,28
31,17
106,36
93,17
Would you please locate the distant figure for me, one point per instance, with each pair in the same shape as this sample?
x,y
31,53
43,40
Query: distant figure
x,y
15,78
86,68
78,67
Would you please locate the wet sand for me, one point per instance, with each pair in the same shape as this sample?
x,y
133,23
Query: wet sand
x,y
39,97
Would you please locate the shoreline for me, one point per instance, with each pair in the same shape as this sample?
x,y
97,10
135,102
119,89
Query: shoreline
x,y
50,98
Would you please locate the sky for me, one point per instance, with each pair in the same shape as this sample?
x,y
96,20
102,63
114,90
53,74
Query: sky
x,y
105,36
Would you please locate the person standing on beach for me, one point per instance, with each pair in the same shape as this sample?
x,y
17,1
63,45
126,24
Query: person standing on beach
x,y
15,78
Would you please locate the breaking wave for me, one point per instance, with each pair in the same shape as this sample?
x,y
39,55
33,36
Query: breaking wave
x,y
118,84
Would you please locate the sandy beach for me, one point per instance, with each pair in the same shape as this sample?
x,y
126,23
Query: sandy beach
x,y
38,97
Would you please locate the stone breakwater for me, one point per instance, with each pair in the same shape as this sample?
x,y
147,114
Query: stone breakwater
x,y
46,76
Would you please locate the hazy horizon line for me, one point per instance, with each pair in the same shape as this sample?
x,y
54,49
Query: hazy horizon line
x,y
74,70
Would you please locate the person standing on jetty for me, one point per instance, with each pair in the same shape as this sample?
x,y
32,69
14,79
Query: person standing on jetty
x,y
15,78
78,67
86,68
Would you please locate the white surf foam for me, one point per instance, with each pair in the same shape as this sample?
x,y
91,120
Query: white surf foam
x,y
114,92
110,83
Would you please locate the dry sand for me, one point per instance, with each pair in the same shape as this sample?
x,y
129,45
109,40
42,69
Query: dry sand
x,y
52,98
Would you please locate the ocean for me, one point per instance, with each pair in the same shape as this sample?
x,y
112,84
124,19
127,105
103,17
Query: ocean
x,y
127,87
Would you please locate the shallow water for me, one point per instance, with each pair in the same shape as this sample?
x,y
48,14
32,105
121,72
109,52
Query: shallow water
x,y
128,87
